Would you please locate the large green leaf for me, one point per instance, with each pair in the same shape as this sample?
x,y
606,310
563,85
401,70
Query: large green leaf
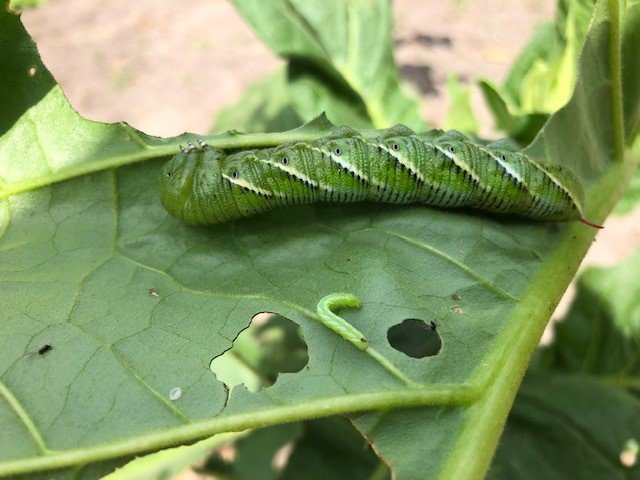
x,y
568,426
577,407
340,58
600,335
80,253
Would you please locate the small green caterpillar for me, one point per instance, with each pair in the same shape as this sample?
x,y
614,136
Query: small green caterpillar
x,y
205,186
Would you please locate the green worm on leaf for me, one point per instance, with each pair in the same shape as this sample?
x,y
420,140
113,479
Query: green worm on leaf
x,y
205,186
338,324
350,333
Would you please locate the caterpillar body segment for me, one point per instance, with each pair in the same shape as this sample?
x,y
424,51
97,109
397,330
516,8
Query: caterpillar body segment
x,y
444,169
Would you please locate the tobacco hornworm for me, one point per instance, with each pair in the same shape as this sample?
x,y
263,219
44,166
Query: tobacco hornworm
x,y
205,186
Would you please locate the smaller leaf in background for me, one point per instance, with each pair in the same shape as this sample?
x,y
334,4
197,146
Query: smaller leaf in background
x,y
315,90
312,450
460,114
631,198
543,76
270,345
600,335
548,84
522,128
260,455
265,106
170,462
21,4
333,448
341,55
568,426
540,46
578,409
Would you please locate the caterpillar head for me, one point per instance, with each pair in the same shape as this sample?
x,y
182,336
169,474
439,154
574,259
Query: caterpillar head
x,y
191,186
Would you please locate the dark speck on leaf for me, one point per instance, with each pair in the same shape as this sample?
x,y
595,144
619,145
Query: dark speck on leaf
x,y
44,349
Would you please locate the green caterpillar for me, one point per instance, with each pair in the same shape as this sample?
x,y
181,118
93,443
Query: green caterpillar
x,y
205,186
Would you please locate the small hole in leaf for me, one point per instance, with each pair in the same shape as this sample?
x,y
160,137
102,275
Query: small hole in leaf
x,y
270,345
32,71
415,338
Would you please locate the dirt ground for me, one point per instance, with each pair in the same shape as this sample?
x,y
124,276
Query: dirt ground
x,y
167,66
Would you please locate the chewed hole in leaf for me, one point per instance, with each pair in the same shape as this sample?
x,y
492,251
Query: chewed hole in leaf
x,y
270,345
415,338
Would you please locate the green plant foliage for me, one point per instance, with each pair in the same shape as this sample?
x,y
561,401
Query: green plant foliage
x,y
21,4
314,449
169,463
136,304
332,448
567,426
264,107
600,335
339,59
631,198
542,78
255,455
579,406
460,115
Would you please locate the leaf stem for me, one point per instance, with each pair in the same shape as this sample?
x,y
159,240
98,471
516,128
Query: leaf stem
x,y
459,395
615,66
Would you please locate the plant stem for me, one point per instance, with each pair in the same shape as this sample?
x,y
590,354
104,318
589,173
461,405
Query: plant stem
x,y
323,407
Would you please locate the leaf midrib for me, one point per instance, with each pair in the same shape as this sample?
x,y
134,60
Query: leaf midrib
x,y
455,395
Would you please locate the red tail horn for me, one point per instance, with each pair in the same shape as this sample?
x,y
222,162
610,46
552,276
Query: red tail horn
x,y
591,224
